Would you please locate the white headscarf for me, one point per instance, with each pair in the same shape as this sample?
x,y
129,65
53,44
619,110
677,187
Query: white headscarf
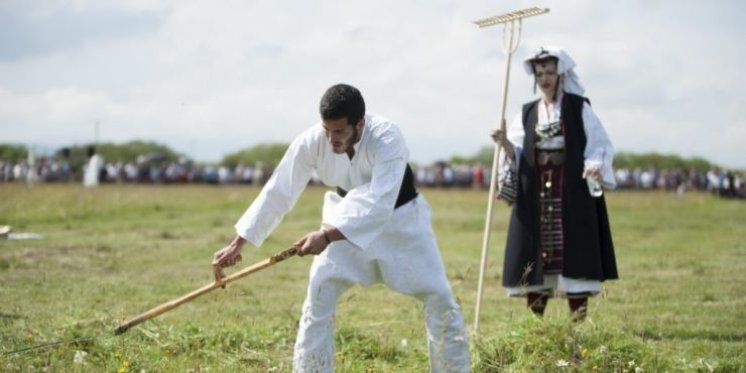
x,y
565,66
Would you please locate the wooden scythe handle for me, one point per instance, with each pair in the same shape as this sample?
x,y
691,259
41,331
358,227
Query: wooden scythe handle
x,y
220,281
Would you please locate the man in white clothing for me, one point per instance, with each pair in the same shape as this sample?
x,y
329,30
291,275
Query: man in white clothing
x,y
93,169
375,229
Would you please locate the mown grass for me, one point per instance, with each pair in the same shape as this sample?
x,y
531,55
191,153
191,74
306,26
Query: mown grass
x,y
116,251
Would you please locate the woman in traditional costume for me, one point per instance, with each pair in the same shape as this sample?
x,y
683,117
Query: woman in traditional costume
x,y
557,159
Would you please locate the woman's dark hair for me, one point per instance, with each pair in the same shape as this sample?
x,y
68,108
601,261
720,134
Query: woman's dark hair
x,y
342,101
542,60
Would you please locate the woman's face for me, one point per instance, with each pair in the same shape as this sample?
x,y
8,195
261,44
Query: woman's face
x,y
546,77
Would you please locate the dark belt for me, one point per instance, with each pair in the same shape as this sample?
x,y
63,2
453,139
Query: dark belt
x,y
556,158
407,192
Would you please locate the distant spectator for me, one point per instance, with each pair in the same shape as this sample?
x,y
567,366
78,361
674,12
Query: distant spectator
x,y
258,175
93,168
478,179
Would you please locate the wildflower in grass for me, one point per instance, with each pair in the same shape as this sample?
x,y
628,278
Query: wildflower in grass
x,y
79,357
631,363
710,367
125,363
122,370
639,370
603,349
29,336
562,363
584,352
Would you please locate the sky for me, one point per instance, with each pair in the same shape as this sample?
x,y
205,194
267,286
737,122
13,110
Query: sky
x,y
212,77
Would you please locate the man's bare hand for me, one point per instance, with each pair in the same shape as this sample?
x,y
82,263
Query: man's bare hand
x,y
230,254
312,243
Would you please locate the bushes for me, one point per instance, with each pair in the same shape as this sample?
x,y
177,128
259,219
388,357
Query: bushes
x,y
268,153
12,152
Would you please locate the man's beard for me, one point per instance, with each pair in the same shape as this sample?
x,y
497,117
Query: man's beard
x,y
353,138
350,142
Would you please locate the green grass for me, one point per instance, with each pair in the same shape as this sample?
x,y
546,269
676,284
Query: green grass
x,y
116,251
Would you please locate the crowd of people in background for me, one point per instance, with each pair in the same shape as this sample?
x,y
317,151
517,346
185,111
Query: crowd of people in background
x,y
439,175
183,171
716,180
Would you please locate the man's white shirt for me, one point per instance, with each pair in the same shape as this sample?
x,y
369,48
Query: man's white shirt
x,y
372,178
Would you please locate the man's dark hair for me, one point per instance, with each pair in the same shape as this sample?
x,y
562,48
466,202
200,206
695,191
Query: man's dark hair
x,y
342,101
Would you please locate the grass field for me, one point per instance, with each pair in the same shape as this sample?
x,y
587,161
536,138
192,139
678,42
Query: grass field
x,y
116,251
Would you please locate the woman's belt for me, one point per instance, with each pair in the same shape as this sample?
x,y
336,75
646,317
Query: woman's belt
x,y
407,192
556,158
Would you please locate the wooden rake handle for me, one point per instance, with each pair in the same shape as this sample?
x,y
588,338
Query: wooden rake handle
x,y
220,281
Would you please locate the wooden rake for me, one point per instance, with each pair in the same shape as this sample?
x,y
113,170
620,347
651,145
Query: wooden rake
x,y
511,39
220,281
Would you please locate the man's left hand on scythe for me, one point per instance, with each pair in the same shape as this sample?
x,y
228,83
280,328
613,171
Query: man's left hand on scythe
x,y
314,243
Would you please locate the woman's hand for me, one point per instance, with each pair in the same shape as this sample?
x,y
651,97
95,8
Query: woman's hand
x,y
500,137
593,172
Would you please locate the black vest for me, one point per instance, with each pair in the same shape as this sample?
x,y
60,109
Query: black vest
x,y
588,248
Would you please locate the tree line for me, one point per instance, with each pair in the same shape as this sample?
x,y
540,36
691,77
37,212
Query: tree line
x,y
271,153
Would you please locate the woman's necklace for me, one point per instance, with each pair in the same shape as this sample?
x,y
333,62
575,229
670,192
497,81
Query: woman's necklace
x,y
548,129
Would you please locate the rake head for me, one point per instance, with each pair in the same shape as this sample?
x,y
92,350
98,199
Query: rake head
x,y
512,16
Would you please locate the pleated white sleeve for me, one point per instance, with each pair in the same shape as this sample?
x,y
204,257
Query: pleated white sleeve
x,y
599,152
366,209
280,193
516,134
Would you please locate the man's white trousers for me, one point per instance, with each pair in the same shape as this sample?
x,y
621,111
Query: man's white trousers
x,y
405,258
